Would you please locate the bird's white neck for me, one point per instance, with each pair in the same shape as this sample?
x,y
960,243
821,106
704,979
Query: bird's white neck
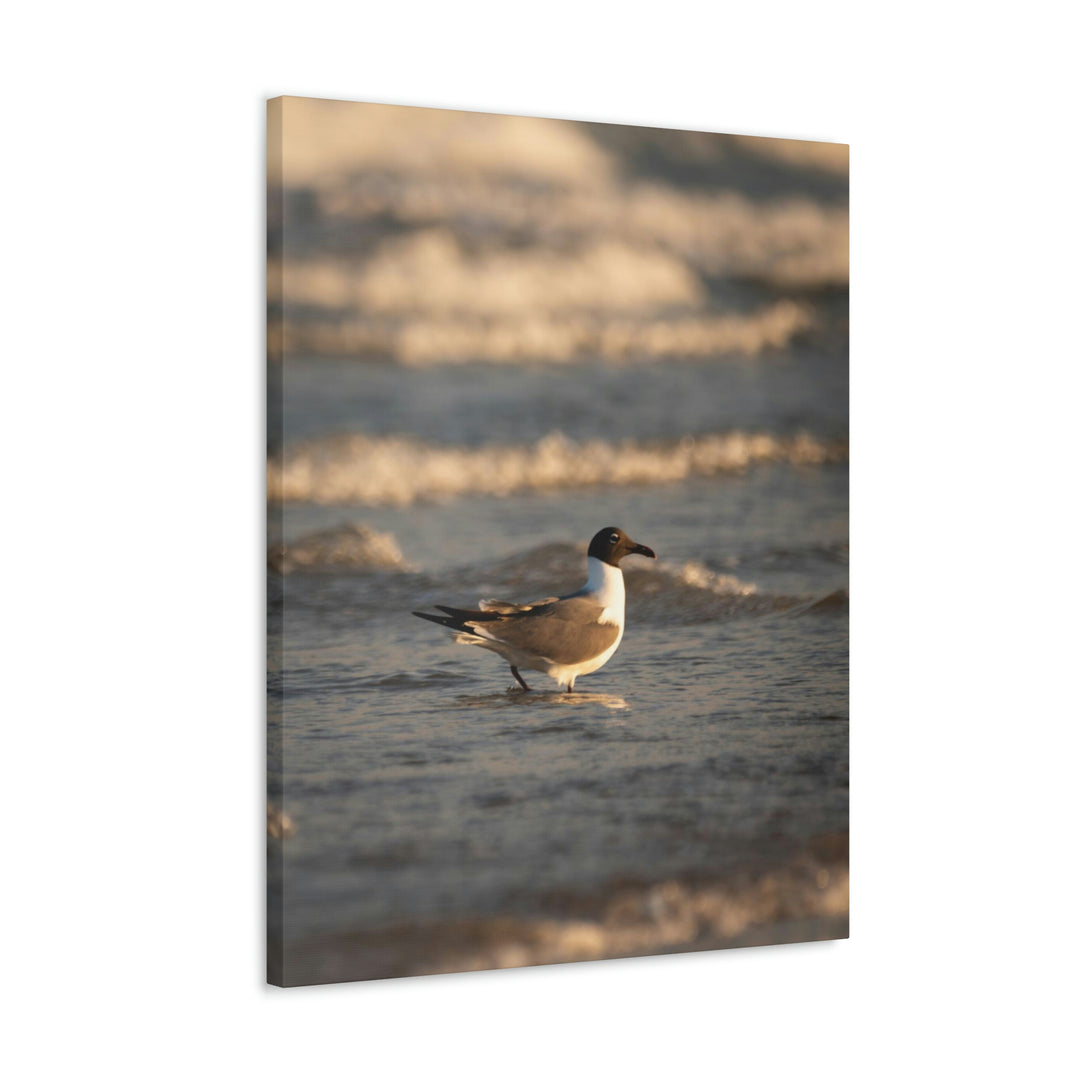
x,y
606,585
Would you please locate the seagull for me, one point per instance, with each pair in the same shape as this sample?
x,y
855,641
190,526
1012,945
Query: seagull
x,y
562,636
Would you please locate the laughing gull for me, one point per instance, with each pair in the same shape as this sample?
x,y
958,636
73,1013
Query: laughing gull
x,y
562,636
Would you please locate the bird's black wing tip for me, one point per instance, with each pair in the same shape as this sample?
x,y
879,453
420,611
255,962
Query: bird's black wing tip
x,y
431,618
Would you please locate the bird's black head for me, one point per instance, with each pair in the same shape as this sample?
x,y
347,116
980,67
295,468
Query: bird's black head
x,y
611,544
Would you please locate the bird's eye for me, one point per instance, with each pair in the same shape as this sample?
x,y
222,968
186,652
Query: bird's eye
x,y
613,538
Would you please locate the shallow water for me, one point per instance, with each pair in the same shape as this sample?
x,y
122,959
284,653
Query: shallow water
x,y
429,794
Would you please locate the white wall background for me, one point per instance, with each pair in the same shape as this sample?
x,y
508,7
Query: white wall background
x,y
132,413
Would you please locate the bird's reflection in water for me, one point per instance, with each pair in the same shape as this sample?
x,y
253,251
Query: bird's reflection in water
x,y
541,699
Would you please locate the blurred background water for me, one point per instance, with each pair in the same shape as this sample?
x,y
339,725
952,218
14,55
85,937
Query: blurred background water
x,y
490,337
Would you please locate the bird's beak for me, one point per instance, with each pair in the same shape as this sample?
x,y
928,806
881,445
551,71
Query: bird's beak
x,y
641,549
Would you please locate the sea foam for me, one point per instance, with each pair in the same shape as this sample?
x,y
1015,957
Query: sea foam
x,y
399,470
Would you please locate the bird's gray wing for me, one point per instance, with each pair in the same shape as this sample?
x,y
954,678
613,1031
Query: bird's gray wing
x,y
505,607
565,631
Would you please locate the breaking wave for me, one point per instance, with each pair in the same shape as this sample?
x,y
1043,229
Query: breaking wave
x,y
695,575
399,470
547,564
428,271
657,591
695,593
345,547
688,591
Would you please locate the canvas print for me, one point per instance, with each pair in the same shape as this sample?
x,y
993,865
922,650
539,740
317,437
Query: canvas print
x,y
557,552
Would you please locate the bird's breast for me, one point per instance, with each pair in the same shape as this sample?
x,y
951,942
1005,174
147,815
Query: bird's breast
x,y
606,587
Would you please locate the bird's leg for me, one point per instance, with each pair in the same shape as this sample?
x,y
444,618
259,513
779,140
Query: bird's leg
x,y
570,688
517,675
